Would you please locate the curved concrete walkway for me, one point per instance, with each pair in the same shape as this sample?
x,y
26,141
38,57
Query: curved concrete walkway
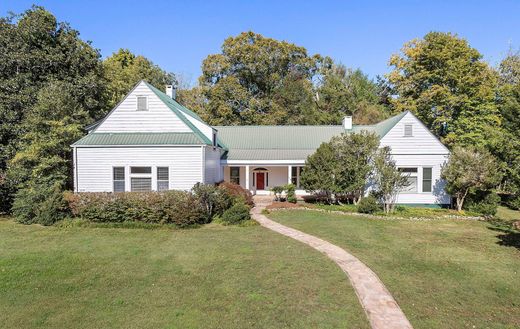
x,y
379,305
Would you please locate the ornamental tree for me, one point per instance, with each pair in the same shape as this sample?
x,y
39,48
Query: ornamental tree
x,y
469,169
387,179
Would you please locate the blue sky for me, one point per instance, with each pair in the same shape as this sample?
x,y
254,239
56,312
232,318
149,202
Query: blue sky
x,y
178,35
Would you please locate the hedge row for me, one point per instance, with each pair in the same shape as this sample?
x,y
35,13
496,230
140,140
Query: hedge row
x,y
181,208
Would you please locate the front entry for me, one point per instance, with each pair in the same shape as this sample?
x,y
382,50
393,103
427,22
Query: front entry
x,y
260,180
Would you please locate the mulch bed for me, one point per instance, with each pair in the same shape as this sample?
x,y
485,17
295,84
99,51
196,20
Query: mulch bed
x,y
283,205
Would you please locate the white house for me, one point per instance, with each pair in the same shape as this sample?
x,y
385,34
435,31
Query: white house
x,y
149,142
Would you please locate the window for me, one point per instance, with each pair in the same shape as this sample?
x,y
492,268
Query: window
x,y
142,103
141,170
411,177
119,179
140,179
235,175
408,130
295,176
427,180
163,183
141,184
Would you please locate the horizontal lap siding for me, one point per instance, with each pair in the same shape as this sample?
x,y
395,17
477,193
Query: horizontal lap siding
x,y
422,141
94,165
438,195
212,166
158,118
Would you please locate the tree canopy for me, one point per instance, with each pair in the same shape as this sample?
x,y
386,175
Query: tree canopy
x,y
443,80
37,51
123,70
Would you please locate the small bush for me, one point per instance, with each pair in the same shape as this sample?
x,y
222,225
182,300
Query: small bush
x,y
277,191
482,202
172,207
237,213
237,191
368,205
514,203
291,193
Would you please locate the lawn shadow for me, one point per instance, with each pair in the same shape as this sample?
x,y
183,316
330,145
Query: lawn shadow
x,y
507,236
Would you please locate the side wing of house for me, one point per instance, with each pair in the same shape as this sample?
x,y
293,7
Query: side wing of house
x,y
419,154
147,142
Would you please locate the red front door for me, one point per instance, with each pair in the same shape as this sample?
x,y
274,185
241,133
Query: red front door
x,y
260,181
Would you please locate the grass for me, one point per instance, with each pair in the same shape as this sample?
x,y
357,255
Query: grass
x,y
211,277
401,211
443,273
508,214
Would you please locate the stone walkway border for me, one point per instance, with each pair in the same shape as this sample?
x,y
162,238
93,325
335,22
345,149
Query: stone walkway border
x,y
382,310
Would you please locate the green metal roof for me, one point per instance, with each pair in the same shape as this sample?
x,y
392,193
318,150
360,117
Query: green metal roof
x,y
287,142
139,139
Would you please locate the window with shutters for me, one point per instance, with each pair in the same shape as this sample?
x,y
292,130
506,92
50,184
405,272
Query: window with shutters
x,y
427,180
163,181
408,130
119,179
142,103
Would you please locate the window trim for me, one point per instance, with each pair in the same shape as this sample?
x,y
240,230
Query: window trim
x,y
423,179
146,103
408,125
231,176
141,175
167,180
118,180
415,175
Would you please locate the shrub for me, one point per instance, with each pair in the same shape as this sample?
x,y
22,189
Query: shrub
x,y
213,200
514,203
291,194
237,213
483,202
368,205
237,191
39,204
277,190
175,207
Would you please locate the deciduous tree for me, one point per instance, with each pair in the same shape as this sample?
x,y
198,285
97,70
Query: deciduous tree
x,y
469,169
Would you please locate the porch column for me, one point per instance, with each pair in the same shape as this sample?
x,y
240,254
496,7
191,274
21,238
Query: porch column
x,y
289,172
247,177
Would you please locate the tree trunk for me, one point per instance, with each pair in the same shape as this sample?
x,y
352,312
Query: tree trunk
x,y
460,200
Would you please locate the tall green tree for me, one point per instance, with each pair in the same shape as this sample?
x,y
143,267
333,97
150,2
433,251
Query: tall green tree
x,y
321,171
123,70
258,80
443,80
507,149
344,91
355,155
36,49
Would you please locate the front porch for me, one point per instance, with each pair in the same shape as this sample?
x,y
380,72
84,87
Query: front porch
x,y
259,179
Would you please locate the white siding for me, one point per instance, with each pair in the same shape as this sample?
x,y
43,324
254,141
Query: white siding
x,y
438,195
213,171
203,127
94,165
422,141
158,118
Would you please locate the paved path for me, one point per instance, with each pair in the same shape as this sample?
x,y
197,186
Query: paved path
x,y
382,310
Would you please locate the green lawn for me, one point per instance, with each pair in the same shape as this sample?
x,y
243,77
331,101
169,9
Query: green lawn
x,y
211,277
443,273
508,214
